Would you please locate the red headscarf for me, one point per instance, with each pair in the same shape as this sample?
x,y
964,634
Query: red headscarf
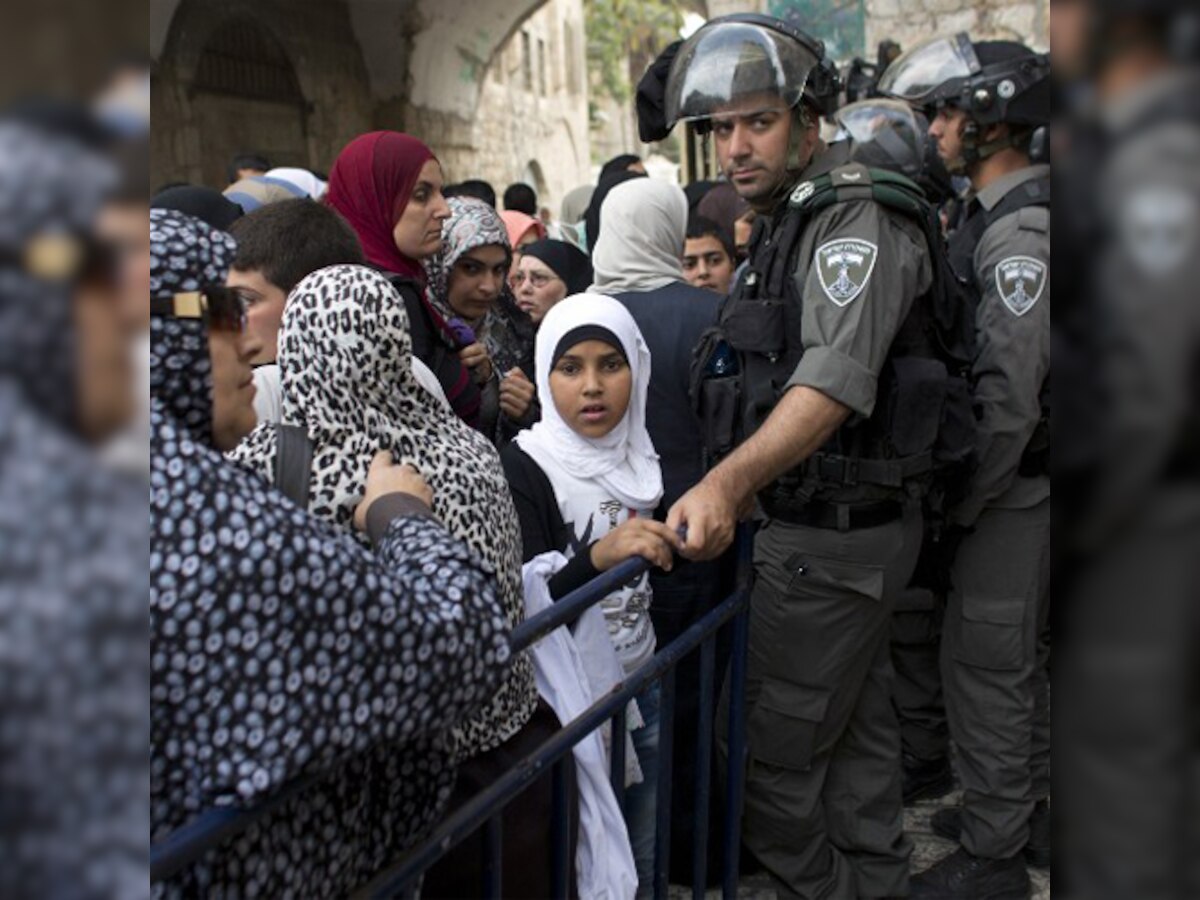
x,y
370,184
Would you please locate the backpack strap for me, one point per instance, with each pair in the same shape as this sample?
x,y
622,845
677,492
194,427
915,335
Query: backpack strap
x,y
1035,192
293,463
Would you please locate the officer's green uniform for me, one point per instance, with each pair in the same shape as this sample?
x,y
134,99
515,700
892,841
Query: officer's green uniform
x,y
994,654
823,809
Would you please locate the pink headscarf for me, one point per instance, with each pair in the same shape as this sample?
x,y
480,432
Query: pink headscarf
x,y
370,184
518,225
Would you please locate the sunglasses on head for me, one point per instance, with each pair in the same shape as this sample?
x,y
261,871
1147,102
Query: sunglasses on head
x,y
222,308
67,258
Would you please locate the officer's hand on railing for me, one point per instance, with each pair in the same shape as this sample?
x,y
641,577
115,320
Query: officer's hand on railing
x,y
386,476
710,517
637,537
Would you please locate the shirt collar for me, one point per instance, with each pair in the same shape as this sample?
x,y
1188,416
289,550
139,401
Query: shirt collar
x,y
1003,186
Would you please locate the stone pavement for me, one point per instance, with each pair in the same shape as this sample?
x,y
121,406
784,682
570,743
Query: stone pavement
x,y
928,848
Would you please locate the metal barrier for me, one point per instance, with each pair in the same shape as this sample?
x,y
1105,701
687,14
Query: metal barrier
x,y
483,812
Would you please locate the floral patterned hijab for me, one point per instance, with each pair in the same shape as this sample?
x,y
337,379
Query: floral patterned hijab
x,y
505,331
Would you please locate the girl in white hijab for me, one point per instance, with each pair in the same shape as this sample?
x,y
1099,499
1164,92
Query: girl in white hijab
x,y
641,245
586,481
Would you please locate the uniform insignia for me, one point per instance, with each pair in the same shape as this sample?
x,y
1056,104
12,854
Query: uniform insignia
x,y
1020,281
844,267
1160,230
803,191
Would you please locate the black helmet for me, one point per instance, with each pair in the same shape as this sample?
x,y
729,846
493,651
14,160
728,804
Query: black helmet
x,y
739,56
992,81
889,134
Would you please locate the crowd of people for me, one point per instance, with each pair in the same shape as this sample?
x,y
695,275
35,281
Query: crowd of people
x,y
388,411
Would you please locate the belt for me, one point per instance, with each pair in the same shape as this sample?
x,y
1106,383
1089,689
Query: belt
x,y
840,516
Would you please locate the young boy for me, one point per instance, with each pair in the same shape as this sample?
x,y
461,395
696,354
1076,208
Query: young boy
x,y
708,255
278,245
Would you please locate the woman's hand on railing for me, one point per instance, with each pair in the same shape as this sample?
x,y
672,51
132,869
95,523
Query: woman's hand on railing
x,y
637,537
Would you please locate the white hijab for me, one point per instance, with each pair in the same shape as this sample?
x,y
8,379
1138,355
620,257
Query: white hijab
x,y
641,245
623,462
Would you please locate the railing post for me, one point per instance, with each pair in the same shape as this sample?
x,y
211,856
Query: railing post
x,y
618,758
666,749
736,775
560,857
704,743
493,866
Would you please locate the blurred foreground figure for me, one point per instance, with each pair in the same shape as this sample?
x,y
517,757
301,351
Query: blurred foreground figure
x,y
73,725
1128,452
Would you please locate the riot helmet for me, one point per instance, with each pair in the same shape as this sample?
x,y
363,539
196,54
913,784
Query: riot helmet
x,y
737,58
888,134
992,81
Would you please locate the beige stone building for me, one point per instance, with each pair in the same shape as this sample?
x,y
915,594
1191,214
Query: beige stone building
x,y
531,124
496,87
910,21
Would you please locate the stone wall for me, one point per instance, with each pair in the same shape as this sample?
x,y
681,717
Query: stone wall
x,y
498,88
195,132
910,21
531,123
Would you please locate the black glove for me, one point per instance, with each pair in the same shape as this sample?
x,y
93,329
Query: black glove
x,y
652,118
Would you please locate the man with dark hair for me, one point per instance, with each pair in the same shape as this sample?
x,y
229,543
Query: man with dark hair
x,y
521,198
278,245
472,187
804,432
708,255
246,164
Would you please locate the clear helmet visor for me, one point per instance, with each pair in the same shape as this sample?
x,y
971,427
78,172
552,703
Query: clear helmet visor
x,y
734,66
916,75
884,133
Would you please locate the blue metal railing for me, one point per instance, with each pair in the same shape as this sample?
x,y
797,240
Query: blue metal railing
x,y
483,812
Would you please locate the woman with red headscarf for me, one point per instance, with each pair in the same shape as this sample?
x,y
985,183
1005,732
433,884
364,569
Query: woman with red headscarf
x,y
388,186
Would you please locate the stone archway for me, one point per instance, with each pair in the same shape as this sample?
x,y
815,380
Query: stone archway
x,y
246,97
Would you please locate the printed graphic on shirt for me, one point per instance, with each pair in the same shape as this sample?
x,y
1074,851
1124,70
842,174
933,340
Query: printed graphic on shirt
x,y
581,542
1020,281
844,267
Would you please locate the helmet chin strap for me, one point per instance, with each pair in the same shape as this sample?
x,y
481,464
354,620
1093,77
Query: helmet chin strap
x,y
796,160
973,152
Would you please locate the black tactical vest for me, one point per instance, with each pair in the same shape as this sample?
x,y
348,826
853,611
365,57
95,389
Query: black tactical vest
x,y
922,415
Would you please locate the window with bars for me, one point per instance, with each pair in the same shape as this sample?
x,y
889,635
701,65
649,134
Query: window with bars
x,y
242,59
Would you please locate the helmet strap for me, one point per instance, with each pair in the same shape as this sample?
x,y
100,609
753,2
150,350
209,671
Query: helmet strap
x,y
974,151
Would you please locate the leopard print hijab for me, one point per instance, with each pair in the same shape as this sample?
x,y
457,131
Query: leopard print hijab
x,y
346,362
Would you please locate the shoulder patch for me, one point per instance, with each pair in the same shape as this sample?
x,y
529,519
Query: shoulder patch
x,y
844,266
1020,281
1160,230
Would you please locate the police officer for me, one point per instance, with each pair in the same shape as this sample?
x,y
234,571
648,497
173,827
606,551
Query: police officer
x,y
812,322
890,134
985,100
